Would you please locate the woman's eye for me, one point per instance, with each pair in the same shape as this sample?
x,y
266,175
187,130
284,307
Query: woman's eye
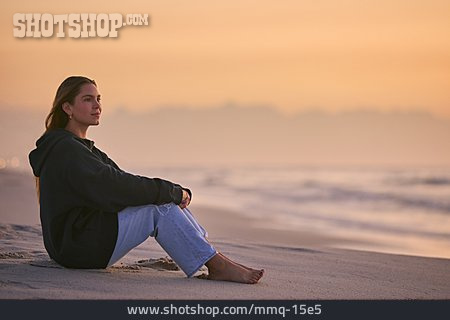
x,y
87,99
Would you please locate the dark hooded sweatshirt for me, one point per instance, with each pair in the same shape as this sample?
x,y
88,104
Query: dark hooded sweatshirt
x,y
81,192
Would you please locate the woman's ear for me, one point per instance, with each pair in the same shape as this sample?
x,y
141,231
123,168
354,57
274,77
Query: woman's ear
x,y
66,108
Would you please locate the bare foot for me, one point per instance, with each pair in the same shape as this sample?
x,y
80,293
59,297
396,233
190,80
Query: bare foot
x,y
224,269
224,256
204,276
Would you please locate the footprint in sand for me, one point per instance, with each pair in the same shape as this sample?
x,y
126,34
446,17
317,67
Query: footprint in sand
x,y
14,255
159,264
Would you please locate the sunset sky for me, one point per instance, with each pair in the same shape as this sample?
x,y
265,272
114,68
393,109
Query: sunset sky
x,y
386,55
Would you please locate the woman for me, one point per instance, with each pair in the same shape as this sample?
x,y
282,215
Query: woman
x,y
93,213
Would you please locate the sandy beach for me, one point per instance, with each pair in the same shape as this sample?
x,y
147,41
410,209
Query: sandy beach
x,y
312,135
297,266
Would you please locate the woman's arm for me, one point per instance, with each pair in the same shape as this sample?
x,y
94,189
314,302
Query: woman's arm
x,y
105,158
105,187
186,199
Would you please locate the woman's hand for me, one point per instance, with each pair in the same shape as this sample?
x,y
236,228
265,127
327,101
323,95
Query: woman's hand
x,y
185,200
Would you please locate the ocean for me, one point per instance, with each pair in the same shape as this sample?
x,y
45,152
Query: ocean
x,y
393,210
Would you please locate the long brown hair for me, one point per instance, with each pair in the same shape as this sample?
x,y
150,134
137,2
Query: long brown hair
x,y
67,91
57,118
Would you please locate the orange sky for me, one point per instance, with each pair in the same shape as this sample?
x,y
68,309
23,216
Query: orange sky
x,y
292,55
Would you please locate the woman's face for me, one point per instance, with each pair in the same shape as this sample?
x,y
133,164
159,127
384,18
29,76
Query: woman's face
x,y
86,108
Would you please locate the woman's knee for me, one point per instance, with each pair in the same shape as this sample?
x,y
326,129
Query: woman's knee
x,y
168,209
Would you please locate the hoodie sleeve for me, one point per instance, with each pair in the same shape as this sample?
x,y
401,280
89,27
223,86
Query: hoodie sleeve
x,y
111,162
108,188
106,159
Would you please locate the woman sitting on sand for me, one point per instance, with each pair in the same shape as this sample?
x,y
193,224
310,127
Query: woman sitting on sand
x,y
93,213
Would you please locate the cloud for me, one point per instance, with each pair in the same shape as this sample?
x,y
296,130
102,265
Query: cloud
x,y
234,135
261,135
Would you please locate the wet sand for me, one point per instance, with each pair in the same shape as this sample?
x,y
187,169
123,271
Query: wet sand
x,y
297,266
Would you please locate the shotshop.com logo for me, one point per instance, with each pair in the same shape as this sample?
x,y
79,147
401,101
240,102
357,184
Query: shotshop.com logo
x,y
79,25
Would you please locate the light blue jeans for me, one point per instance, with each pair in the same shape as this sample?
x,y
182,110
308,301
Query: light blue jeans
x,y
175,229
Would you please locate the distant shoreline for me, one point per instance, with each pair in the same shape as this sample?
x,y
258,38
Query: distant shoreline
x,y
313,208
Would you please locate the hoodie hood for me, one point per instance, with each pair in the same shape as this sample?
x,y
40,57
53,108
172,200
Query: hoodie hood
x,y
44,146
